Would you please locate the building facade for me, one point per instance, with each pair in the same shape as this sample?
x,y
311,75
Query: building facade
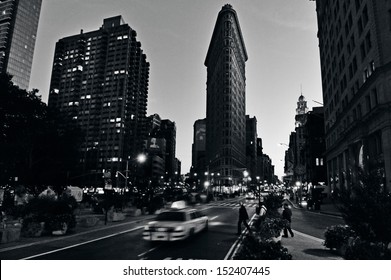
x,y
225,113
165,129
251,146
355,54
100,81
18,31
304,158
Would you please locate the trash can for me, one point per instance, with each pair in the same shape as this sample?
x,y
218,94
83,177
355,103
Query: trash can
x,y
317,205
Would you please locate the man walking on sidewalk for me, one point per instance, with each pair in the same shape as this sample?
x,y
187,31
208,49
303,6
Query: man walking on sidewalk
x,y
287,215
243,217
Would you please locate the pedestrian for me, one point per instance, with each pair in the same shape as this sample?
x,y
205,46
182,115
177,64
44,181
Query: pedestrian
x,y
287,215
243,217
261,210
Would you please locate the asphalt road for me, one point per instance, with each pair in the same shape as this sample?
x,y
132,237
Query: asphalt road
x,y
124,242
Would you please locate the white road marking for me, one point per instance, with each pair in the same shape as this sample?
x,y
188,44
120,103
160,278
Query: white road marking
x,y
215,217
146,252
83,243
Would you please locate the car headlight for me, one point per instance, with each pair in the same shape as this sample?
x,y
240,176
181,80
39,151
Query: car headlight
x,y
179,228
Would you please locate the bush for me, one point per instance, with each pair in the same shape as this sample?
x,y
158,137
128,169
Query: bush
x,y
254,249
54,213
269,227
366,208
273,202
338,235
364,250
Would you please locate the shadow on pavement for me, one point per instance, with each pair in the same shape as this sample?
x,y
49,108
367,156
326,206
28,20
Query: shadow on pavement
x,y
320,252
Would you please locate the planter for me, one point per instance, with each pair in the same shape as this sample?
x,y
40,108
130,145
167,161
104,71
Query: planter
x,y
62,231
118,216
10,234
88,221
34,229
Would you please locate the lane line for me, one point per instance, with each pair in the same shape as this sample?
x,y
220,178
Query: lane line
x,y
70,236
215,217
146,252
83,243
234,248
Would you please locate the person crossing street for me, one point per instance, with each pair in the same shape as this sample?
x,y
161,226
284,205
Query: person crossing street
x,y
243,217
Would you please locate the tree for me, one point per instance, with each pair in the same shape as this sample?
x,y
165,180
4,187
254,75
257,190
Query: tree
x,y
366,209
35,144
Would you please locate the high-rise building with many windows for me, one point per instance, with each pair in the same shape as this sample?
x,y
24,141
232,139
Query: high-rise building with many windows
x,y
100,80
18,31
355,54
226,100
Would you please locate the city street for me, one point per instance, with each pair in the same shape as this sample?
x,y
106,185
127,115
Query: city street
x,y
124,241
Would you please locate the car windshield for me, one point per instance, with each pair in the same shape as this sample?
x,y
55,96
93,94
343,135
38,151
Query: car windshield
x,y
171,216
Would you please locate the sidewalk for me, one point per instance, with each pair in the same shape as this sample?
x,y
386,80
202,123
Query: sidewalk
x,y
306,247
327,207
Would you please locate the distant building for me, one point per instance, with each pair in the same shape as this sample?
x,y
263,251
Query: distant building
x,y
225,112
251,146
355,55
18,32
100,81
199,149
165,129
304,158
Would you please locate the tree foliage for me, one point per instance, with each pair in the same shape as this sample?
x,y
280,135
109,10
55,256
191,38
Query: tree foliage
x,y
35,144
366,208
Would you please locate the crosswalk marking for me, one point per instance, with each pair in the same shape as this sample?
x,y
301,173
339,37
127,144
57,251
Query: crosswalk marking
x,y
232,204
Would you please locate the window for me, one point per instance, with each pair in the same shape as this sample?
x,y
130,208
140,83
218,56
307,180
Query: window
x,y
374,97
368,43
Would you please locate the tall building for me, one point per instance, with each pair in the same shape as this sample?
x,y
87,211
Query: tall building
x,y
165,129
225,112
251,146
100,80
304,158
18,31
198,150
168,132
355,55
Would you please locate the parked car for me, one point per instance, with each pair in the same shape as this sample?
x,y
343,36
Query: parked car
x,y
175,224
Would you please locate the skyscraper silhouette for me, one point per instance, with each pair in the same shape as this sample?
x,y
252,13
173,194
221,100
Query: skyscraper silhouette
x,y
100,80
18,31
226,100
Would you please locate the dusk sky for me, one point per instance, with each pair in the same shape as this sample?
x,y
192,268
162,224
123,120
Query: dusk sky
x,y
281,42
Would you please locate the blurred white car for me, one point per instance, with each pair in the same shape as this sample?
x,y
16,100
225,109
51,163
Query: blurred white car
x,y
175,224
250,196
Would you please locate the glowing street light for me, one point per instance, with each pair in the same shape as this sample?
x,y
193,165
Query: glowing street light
x,y
141,158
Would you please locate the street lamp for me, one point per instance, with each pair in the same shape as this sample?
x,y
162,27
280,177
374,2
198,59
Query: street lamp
x,y
245,174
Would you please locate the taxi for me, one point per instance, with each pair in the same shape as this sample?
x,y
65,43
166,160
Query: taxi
x,y
175,224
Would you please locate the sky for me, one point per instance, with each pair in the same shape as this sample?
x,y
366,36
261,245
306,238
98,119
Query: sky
x,y
279,35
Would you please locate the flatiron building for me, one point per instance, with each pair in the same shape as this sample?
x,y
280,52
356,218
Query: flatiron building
x,y
226,99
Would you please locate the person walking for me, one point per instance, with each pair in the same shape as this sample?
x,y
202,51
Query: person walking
x,y
287,215
243,217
